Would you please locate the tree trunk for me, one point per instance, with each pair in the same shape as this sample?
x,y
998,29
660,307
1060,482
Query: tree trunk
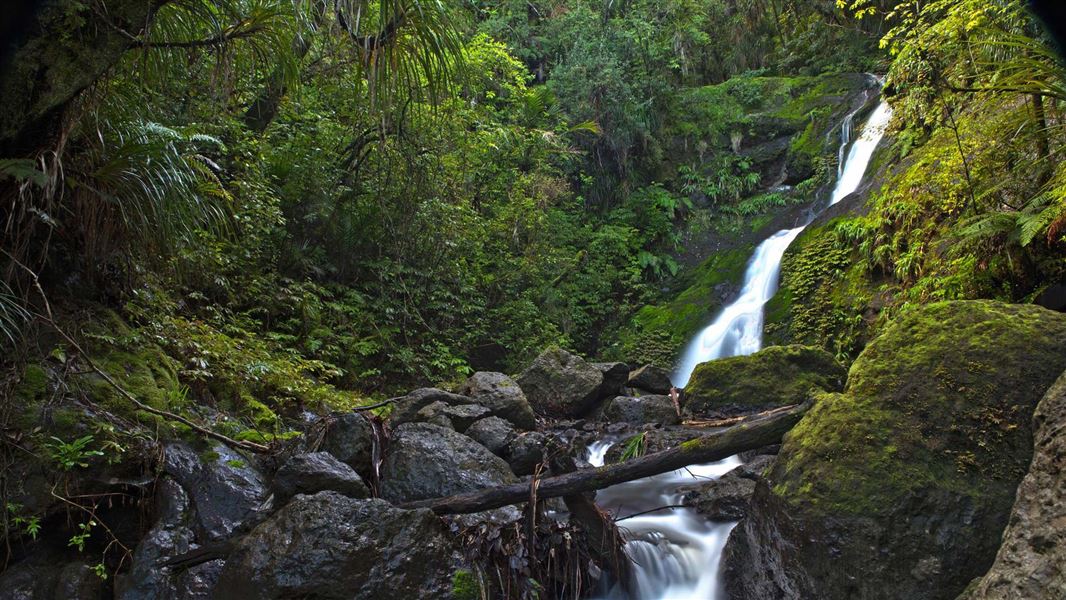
x,y
46,63
751,435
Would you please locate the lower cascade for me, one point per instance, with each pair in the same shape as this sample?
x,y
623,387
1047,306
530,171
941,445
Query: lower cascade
x,y
675,551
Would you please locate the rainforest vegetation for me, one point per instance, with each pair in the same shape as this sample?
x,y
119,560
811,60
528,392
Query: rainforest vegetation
x,y
223,219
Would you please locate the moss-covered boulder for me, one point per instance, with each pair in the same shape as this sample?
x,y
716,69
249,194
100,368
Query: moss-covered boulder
x,y
775,376
901,486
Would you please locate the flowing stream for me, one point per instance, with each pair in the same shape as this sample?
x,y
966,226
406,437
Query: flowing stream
x,y
675,551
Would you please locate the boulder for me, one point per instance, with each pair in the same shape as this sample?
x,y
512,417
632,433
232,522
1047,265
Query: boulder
x,y
901,486
329,546
650,378
561,385
493,433
226,491
462,417
434,413
525,452
775,376
642,410
615,378
728,497
350,438
1030,562
501,395
173,533
427,461
316,472
43,580
406,408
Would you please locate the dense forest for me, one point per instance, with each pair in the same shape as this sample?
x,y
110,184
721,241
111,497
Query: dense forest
x,y
238,233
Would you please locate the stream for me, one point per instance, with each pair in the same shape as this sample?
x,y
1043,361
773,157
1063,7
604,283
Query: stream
x,y
676,552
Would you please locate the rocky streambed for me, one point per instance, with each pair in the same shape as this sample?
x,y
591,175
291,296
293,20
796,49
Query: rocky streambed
x,y
900,482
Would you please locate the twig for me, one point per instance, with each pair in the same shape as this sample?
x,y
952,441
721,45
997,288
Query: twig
x,y
50,321
645,512
378,405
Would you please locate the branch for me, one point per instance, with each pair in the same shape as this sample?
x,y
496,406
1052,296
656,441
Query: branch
x,y
234,33
751,435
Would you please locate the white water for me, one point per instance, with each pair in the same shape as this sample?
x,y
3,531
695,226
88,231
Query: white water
x,y
737,330
676,552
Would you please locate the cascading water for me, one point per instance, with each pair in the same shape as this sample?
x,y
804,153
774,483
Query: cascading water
x,y
675,551
738,329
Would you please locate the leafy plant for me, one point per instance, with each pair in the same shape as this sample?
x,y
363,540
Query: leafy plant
x,y
73,454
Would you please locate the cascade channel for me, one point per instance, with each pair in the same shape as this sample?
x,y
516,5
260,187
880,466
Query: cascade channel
x,y
676,552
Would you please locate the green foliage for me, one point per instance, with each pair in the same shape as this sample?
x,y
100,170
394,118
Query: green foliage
x,y
73,454
635,447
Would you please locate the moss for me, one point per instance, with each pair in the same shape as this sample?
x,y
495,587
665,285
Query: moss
x,y
465,586
29,394
939,404
146,372
775,376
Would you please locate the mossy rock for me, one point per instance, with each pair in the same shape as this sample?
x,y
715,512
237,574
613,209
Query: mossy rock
x,y
775,376
901,486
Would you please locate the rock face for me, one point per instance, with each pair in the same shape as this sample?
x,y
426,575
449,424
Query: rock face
x,y
1030,563
493,433
427,461
225,490
559,384
316,472
901,486
173,534
642,410
30,580
329,546
350,438
501,395
775,376
650,378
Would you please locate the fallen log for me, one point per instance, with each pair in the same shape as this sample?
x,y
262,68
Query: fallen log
x,y
750,435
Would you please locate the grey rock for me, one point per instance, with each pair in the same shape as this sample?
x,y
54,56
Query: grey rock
x,y
525,452
316,472
350,438
172,534
561,385
427,461
462,417
723,499
407,408
615,377
1030,563
225,490
650,378
642,410
493,433
329,546
500,394
38,578
434,413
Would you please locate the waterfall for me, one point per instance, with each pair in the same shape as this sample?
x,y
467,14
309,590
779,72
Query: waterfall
x,y
737,330
676,552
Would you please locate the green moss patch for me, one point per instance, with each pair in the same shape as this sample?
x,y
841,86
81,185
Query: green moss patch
x,y
775,376
940,403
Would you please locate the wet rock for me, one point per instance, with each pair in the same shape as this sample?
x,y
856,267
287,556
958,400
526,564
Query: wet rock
x,y
901,486
775,376
501,395
329,546
722,499
1030,561
615,377
225,490
43,580
406,408
462,417
650,378
642,410
525,452
316,472
493,433
350,438
434,413
427,461
561,385
173,534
